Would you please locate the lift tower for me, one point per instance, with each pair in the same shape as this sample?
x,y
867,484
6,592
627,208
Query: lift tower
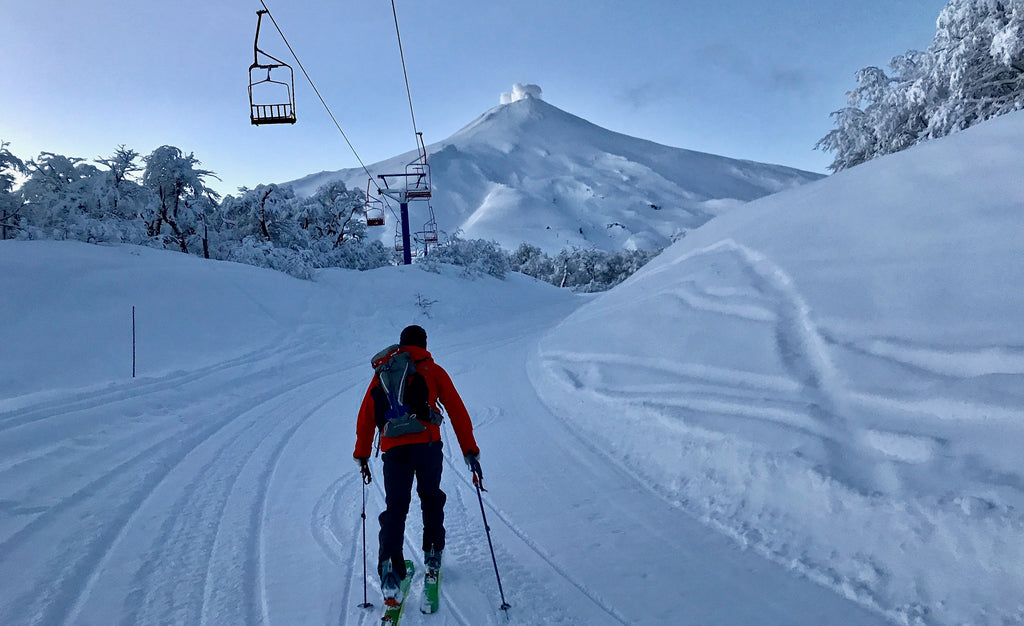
x,y
416,187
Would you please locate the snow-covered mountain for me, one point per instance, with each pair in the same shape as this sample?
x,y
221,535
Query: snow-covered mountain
x,y
529,171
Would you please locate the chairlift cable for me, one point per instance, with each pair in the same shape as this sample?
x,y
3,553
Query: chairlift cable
x,y
317,91
401,53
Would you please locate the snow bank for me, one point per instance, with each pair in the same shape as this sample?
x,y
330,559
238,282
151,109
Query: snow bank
x,y
832,375
71,324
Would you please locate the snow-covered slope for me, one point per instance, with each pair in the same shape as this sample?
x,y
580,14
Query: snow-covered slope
x,y
528,171
831,376
218,486
835,375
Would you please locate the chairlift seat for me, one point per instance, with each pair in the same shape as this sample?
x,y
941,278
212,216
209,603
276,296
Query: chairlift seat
x,y
275,112
373,209
429,232
272,114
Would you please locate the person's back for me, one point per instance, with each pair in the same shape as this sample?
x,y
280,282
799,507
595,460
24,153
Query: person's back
x,y
412,454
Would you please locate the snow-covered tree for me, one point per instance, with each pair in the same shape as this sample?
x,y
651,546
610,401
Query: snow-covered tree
x,y
257,251
477,256
972,71
334,212
61,200
530,260
978,55
9,202
9,165
175,180
585,270
269,213
121,188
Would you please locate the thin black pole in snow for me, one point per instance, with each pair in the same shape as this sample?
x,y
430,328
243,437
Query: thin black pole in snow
x,y
505,606
366,604
133,341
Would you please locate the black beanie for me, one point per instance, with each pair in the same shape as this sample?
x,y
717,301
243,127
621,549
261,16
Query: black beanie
x,y
414,336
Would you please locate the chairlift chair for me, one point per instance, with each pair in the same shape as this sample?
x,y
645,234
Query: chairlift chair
x,y
429,233
373,208
374,213
279,110
417,173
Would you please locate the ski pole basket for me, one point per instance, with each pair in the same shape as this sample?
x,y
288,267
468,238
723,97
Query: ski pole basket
x,y
271,101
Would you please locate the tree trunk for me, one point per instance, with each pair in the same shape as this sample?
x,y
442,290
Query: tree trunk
x,y
178,235
206,240
344,225
263,215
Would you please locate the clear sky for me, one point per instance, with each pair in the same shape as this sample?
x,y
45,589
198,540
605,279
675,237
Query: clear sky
x,y
742,79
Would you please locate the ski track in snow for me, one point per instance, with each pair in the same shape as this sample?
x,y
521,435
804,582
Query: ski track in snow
x,y
810,403
163,515
506,519
61,582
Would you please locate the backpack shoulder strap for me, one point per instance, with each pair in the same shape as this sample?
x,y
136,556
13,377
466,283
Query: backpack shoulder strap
x,y
385,355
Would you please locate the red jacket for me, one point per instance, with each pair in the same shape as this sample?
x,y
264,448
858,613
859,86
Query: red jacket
x,y
440,389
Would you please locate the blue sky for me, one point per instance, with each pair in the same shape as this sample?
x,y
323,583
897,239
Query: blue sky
x,y
737,78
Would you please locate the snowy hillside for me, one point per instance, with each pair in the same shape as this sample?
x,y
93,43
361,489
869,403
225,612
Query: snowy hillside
x,y
528,171
808,411
835,376
218,486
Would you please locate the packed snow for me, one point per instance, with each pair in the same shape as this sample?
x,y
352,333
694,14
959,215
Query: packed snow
x,y
807,411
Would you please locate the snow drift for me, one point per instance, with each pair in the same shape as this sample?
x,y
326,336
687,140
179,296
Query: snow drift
x,y
833,375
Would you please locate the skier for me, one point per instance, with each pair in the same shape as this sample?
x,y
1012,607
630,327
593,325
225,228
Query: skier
x,y
417,454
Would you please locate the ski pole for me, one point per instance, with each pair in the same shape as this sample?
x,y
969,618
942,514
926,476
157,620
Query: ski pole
x,y
366,604
477,480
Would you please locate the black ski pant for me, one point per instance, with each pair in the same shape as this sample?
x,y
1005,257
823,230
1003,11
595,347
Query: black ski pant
x,y
423,461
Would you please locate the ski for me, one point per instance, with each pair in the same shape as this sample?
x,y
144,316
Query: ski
x,y
431,590
393,613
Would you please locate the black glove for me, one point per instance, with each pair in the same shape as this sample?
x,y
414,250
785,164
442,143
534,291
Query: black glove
x,y
364,469
473,461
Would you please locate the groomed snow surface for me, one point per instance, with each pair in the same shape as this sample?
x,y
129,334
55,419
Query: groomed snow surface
x,y
807,411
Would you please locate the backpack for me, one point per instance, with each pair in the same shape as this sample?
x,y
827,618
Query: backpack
x,y
401,399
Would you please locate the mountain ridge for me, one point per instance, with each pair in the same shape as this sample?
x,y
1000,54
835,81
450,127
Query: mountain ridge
x,y
528,171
